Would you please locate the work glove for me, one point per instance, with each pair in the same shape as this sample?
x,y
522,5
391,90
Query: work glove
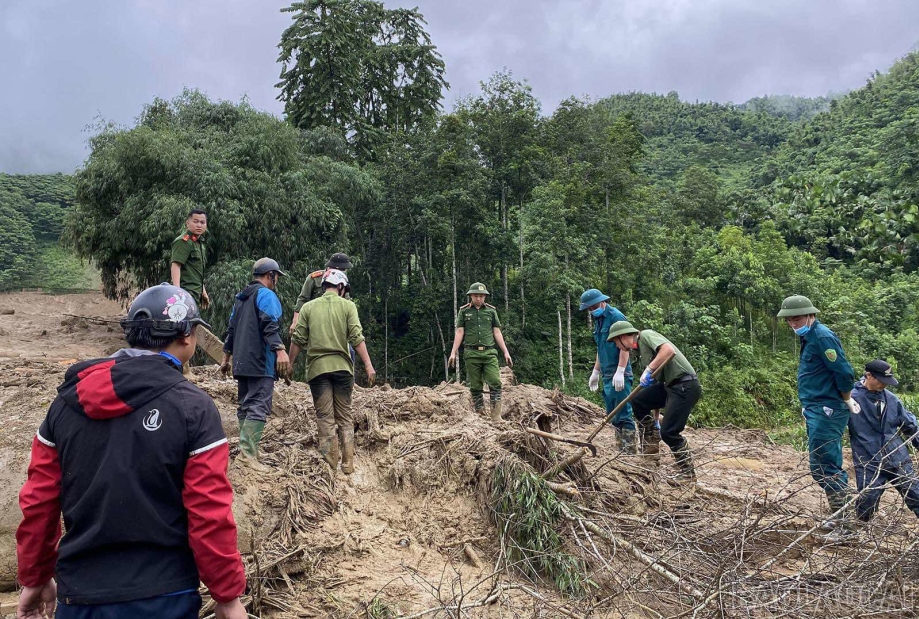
x,y
371,376
619,379
508,360
452,360
646,379
854,408
594,382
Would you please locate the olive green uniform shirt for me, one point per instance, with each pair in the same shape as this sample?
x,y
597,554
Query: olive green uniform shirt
x,y
326,327
312,289
479,325
189,251
648,343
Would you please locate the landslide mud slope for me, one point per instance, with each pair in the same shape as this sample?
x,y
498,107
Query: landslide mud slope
x,y
413,532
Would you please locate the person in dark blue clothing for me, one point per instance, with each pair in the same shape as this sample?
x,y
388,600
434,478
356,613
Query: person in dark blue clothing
x,y
612,364
254,352
879,452
825,381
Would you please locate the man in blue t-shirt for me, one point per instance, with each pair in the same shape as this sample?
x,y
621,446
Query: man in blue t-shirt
x,y
612,365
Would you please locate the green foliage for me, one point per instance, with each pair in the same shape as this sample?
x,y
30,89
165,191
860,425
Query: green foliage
x,y
17,243
32,212
528,516
787,106
379,609
359,67
265,188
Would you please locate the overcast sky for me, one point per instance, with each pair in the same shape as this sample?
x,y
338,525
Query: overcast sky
x,y
64,64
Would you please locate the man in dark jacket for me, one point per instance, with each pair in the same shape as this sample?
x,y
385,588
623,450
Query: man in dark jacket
x,y
878,450
254,351
135,458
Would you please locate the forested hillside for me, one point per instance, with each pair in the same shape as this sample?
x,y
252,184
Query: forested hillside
x,y
696,218
32,213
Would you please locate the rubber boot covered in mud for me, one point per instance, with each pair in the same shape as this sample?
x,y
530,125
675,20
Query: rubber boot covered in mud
x,y
329,450
347,450
250,435
627,441
650,440
686,469
840,526
496,411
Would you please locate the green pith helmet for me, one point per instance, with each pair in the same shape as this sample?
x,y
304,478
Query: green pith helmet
x,y
622,327
478,288
796,305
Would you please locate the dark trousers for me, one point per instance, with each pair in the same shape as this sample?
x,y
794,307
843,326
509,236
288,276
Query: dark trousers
x,y
871,482
255,394
180,606
678,401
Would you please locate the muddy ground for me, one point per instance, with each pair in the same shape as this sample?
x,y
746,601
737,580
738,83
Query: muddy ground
x,y
412,532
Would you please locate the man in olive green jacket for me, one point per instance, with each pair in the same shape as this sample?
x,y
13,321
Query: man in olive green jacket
x,y
478,329
326,327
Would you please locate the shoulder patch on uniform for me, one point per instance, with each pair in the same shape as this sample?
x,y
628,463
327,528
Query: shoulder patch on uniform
x,y
831,354
462,307
491,306
317,273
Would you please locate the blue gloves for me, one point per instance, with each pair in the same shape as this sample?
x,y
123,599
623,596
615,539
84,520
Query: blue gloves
x,y
646,380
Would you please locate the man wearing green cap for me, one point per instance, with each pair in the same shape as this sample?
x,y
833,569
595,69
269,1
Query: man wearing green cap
x,y
825,381
611,365
478,330
676,390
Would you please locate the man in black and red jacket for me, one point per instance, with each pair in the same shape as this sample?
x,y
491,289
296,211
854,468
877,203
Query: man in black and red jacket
x,y
135,458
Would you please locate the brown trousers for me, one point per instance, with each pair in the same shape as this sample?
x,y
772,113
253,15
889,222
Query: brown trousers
x,y
332,399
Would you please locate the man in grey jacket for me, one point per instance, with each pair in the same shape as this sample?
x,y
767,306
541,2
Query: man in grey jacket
x,y
877,435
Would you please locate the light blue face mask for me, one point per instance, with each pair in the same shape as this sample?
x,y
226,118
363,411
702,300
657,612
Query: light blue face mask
x,y
597,312
802,331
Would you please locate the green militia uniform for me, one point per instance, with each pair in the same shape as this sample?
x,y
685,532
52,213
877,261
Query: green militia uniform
x,y
188,250
312,289
479,351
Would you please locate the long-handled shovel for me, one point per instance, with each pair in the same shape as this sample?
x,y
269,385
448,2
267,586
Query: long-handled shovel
x,y
589,442
621,405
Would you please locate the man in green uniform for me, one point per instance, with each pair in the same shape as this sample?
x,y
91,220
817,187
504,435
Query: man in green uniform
x,y
188,258
676,390
478,330
825,381
312,287
327,327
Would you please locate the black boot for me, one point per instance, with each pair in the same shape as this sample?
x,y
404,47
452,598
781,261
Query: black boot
x,y
650,440
686,470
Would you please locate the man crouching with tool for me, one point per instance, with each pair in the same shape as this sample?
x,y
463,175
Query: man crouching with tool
x,y
677,392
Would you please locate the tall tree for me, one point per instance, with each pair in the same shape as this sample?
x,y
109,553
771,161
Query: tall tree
x,y
359,67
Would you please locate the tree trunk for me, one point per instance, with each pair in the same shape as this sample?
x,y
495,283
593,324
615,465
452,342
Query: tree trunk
x,y
561,356
570,358
507,304
455,308
523,304
386,340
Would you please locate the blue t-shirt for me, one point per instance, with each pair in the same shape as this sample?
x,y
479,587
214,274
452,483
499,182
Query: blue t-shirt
x,y
607,351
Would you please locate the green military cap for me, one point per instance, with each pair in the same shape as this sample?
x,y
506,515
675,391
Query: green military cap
x,y
797,305
478,288
622,327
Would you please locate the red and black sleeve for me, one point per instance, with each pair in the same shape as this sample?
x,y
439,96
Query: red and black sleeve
x,y
40,501
208,498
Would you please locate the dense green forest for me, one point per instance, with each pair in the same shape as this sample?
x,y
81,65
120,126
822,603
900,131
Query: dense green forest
x,y
32,213
696,218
